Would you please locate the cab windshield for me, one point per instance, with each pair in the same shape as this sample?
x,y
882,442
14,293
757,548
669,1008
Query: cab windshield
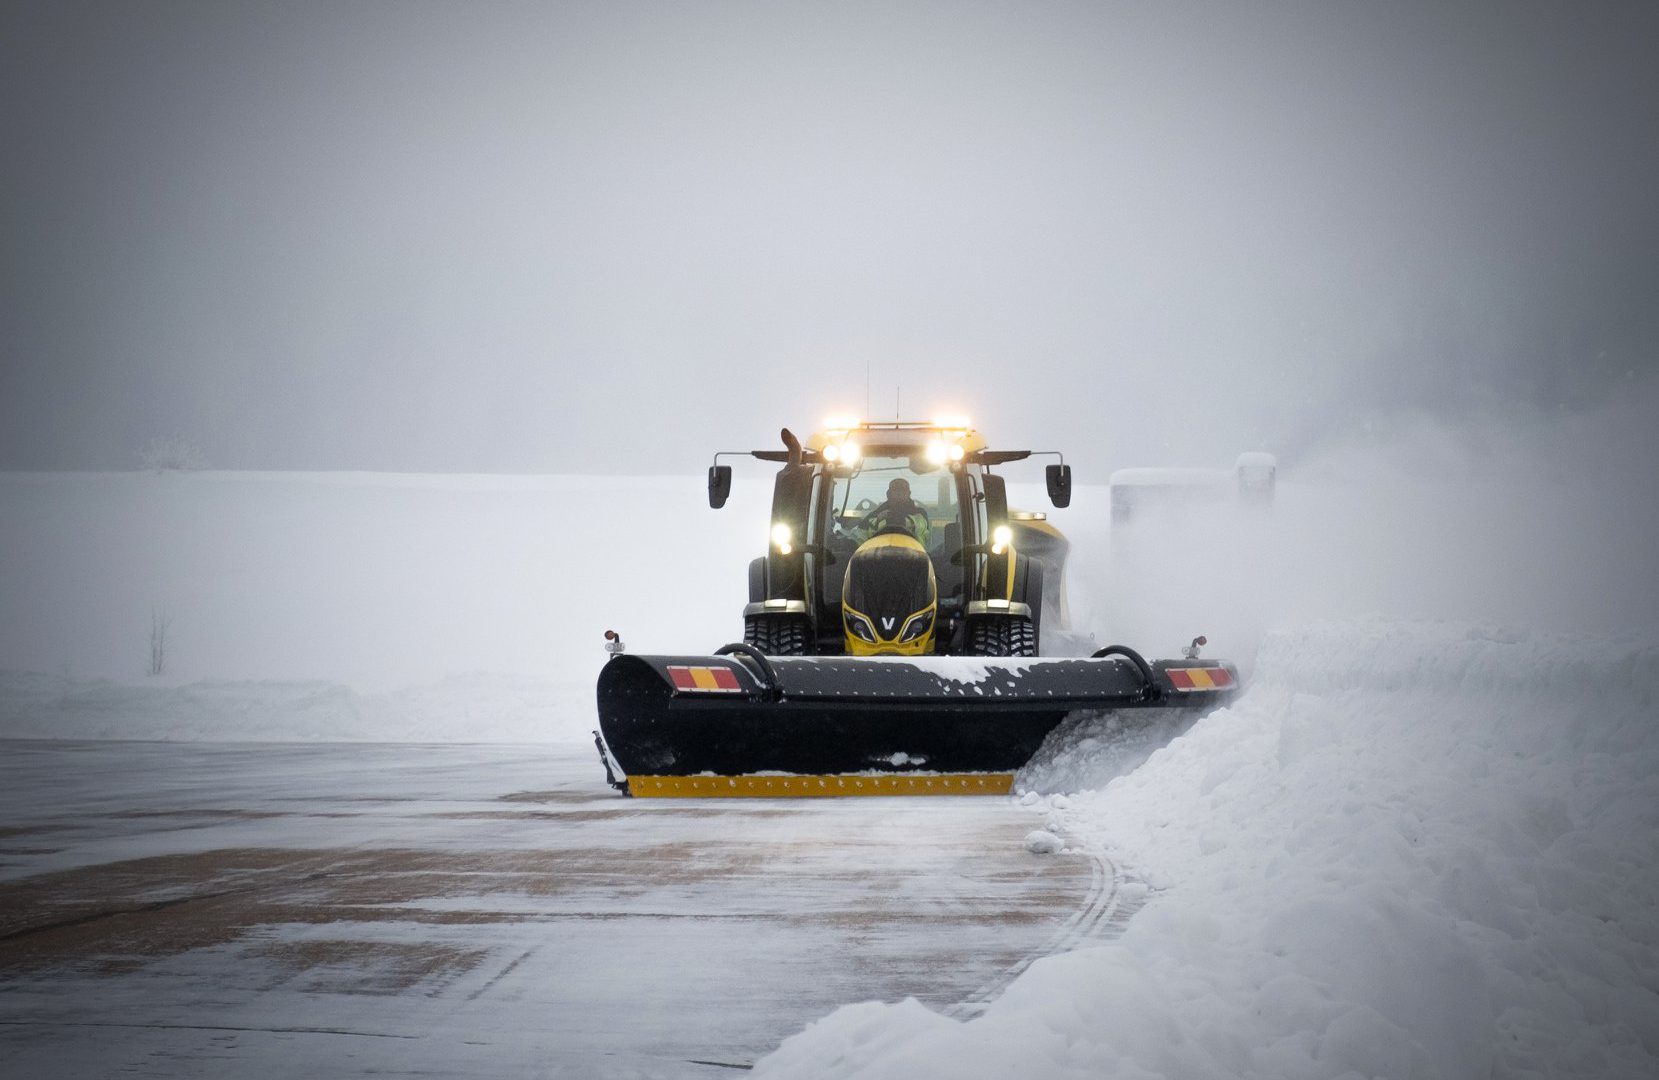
x,y
859,491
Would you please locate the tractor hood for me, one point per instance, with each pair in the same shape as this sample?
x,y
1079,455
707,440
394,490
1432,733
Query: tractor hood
x,y
889,597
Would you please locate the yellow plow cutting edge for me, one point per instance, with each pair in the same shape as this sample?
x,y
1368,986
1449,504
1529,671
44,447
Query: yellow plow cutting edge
x,y
795,787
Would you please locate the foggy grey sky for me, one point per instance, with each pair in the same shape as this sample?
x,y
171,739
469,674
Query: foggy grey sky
x,y
616,237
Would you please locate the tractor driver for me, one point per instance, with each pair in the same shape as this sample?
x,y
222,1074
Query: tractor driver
x,y
900,511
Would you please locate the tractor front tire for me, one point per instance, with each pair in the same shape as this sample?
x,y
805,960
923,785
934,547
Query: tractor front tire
x,y
1002,635
777,635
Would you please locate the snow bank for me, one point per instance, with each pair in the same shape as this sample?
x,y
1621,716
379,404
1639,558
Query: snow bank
x,y
1091,749
374,581
1408,850
477,708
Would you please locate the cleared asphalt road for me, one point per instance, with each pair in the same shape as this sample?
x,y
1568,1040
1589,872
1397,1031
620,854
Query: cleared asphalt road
x,y
213,910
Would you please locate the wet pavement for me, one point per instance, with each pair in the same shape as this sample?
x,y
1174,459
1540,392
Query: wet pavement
x,y
189,910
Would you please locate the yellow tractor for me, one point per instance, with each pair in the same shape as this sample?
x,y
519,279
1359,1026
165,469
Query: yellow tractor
x,y
896,539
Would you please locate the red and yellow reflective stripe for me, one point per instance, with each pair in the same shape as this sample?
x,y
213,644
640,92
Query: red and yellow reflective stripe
x,y
1199,678
711,680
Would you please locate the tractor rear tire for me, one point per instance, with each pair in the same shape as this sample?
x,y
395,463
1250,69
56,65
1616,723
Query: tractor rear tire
x,y
777,635
1002,635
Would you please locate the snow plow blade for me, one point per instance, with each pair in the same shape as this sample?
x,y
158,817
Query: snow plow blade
x,y
742,724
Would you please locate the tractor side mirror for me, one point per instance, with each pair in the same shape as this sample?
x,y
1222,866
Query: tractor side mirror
x,y
1059,485
720,485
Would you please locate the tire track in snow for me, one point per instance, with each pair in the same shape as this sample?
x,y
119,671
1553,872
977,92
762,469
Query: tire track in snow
x,y
1100,916
502,974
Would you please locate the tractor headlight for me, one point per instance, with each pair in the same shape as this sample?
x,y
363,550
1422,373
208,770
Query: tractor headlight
x,y
917,625
783,536
936,452
1001,537
859,626
842,453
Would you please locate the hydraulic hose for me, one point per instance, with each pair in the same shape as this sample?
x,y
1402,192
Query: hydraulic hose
x,y
757,660
1135,658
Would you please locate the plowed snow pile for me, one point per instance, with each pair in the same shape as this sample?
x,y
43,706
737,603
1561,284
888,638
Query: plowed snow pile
x,y
1408,850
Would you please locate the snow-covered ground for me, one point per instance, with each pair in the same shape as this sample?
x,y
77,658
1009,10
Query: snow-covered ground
x,y
1409,850
374,581
1421,844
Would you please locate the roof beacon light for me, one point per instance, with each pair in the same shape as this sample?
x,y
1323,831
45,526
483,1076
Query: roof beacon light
x,y
952,423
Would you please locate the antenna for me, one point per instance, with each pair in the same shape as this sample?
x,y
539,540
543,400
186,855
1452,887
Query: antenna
x,y
866,386
896,411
